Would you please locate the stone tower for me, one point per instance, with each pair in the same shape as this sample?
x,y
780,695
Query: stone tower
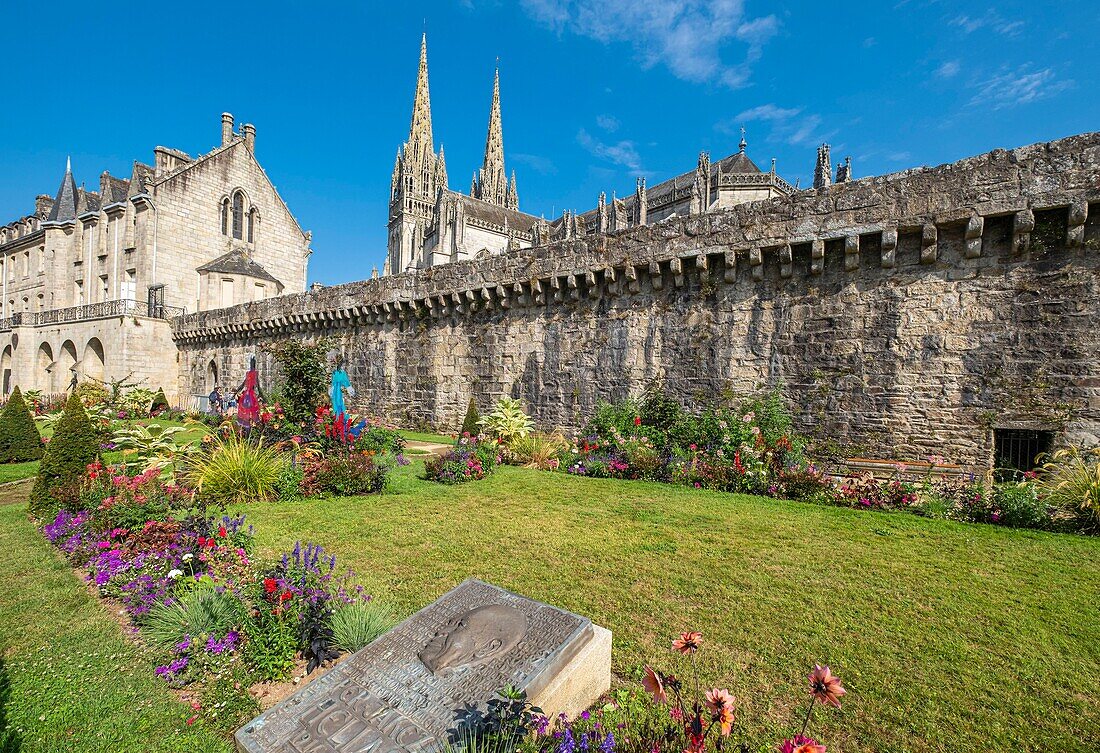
x,y
490,182
418,176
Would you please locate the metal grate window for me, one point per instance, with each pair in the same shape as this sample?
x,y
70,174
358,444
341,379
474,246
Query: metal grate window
x,y
1018,448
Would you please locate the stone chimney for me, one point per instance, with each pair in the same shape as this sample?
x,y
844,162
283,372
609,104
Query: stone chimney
x,y
227,127
249,132
42,206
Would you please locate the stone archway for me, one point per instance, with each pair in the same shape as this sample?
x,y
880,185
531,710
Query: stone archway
x,y
93,365
45,376
211,375
66,364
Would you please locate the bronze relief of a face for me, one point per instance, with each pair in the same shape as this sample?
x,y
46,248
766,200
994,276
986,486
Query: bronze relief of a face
x,y
474,638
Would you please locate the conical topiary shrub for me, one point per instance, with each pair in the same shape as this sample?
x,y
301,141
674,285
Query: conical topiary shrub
x,y
160,402
471,424
72,448
20,441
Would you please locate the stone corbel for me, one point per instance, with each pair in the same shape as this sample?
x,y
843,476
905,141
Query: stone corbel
x,y
1075,226
729,273
523,297
756,261
851,253
929,239
537,292
973,236
889,247
631,274
656,278
817,256
1022,225
555,285
573,286
786,260
503,298
677,268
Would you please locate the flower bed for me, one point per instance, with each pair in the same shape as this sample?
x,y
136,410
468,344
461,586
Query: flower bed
x,y
470,460
216,619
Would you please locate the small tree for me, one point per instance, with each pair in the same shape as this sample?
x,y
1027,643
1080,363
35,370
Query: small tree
x,y
471,424
19,438
73,447
305,375
160,402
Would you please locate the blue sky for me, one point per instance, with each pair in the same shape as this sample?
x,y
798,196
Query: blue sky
x,y
594,92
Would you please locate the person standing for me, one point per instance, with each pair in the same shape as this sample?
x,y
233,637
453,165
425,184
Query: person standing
x,y
248,397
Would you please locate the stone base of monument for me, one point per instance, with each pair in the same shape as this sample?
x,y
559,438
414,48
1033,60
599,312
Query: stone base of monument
x,y
412,688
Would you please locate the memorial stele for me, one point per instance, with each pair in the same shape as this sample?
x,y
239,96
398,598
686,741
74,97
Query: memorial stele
x,y
411,688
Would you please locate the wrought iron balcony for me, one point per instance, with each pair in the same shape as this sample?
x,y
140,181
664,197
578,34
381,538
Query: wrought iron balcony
x,y
101,310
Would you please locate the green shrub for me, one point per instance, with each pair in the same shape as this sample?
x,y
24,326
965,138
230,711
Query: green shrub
x,y
234,469
20,441
1018,505
93,393
380,440
272,644
344,475
200,614
136,402
72,448
1071,485
507,420
160,403
356,625
305,377
471,424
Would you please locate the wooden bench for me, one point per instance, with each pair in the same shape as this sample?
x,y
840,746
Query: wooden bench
x,y
913,470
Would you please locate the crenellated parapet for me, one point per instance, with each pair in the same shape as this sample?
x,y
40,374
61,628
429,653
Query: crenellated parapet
x,y
860,217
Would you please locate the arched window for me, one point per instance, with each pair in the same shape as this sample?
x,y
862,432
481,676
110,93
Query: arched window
x,y
238,215
225,216
252,225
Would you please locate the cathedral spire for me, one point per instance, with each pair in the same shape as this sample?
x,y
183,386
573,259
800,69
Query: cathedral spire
x,y
420,129
492,181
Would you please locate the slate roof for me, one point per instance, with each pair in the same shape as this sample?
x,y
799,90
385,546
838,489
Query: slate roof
x,y
495,213
237,262
64,206
117,189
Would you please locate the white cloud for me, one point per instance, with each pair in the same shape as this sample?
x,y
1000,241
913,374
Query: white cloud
x,y
1019,87
992,20
684,35
622,153
949,69
789,124
607,122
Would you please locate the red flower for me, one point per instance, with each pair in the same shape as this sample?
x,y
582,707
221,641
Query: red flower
x,y
688,643
222,533
285,596
192,719
202,541
825,686
637,420
801,744
270,585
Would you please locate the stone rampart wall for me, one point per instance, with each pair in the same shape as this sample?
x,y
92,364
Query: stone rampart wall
x,y
906,315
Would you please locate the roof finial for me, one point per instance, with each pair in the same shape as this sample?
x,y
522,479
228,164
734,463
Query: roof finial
x,y
68,164
743,143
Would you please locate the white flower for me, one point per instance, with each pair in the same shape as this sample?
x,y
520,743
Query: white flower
x,y
188,557
173,574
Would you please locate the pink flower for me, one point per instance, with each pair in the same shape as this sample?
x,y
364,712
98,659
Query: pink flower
x,y
801,744
654,685
688,643
825,686
720,703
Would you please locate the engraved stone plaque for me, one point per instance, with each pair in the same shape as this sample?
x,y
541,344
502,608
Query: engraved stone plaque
x,y
406,691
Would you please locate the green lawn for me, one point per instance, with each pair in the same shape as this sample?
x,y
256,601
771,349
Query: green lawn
x,y
69,680
17,471
949,637
420,436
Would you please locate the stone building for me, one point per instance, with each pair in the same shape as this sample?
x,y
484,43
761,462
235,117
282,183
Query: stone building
x,y
429,224
90,278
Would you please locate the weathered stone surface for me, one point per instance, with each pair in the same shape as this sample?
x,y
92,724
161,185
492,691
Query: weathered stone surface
x,y
918,312
411,688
